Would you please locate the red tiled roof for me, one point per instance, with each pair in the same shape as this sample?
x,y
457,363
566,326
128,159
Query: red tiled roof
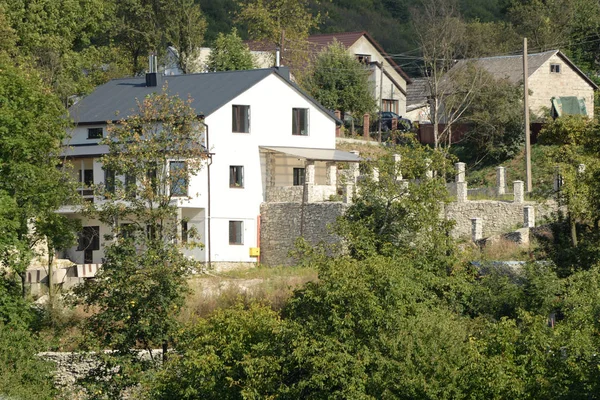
x,y
320,41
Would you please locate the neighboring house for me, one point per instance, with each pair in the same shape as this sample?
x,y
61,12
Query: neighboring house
x,y
417,103
269,142
553,80
366,50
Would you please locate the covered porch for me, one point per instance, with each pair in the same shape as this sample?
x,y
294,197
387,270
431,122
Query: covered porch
x,y
298,174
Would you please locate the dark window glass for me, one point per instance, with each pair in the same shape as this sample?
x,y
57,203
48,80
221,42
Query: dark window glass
x,y
363,58
236,176
151,175
109,180
300,121
178,178
151,232
95,133
89,238
241,119
88,177
298,176
184,231
555,68
235,232
130,186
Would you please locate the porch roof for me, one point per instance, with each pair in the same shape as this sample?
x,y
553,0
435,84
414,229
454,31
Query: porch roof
x,y
84,150
315,154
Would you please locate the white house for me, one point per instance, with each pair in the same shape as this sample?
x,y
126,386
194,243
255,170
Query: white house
x,y
269,142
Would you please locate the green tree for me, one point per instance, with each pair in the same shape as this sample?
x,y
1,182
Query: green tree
x,y
230,54
32,126
185,30
339,82
274,20
137,294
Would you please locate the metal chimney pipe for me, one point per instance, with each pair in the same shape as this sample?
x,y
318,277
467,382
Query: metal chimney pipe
x,y
277,57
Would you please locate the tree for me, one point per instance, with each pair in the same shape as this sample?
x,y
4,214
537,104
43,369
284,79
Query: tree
x,y
185,30
283,23
441,34
230,54
136,295
339,82
31,131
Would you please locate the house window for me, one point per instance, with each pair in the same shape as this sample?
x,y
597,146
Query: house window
x,y
236,176
152,178
555,68
127,230
95,133
184,231
178,178
130,186
300,121
109,180
363,58
298,176
240,119
87,177
390,105
151,232
88,242
235,232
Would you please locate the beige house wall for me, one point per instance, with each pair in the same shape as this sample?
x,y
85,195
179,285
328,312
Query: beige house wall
x,y
544,85
389,90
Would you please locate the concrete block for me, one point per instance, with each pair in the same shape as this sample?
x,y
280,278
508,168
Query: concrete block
x,y
519,191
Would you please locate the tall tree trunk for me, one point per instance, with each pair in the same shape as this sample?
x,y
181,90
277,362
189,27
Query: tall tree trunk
x,y
573,231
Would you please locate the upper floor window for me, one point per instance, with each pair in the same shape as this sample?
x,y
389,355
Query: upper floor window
x,y
299,121
363,58
109,180
240,121
390,105
555,68
95,133
178,178
236,176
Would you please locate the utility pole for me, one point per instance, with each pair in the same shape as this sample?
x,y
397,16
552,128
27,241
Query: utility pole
x,y
282,46
526,109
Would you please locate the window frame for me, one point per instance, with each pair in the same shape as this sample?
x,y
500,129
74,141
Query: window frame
x,y
89,238
174,184
236,126
96,130
363,58
236,171
390,105
238,231
555,68
297,125
299,176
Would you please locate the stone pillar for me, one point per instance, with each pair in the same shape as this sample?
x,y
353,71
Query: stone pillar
x,y
476,229
376,174
501,180
354,167
348,193
338,128
309,172
270,159
528,217
519,191
331,174
397,159
460,172
366,121
394,124
461,192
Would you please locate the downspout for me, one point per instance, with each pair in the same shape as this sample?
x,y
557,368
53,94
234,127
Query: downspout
x,y
208,247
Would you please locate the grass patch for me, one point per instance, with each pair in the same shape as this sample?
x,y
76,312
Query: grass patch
x,y
272,286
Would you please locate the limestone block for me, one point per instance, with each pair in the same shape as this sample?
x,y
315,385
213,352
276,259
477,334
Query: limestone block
x,y
519,191
461,192
528,217
309,173
476,229
501,180
460,172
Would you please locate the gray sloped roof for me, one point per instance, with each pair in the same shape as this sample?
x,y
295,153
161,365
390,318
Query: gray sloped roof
x,y
209,92
417,92
511,67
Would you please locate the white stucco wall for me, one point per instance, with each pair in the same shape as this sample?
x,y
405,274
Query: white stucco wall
x,y
545,84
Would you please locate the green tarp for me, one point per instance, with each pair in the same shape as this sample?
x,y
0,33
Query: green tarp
x,y
569,105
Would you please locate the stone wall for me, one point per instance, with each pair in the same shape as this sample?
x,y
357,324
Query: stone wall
x,y
281,226
498,216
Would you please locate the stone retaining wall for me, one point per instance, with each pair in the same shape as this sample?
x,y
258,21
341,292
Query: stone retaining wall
x,y
498,216
281,226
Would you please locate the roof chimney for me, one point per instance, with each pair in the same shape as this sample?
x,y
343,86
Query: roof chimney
x,y
277,57
152,77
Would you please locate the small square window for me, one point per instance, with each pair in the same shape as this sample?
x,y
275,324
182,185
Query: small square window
x,y
95,133
240,119
299,176
236,176
178,178
363,58
555,68
300,121
235,232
